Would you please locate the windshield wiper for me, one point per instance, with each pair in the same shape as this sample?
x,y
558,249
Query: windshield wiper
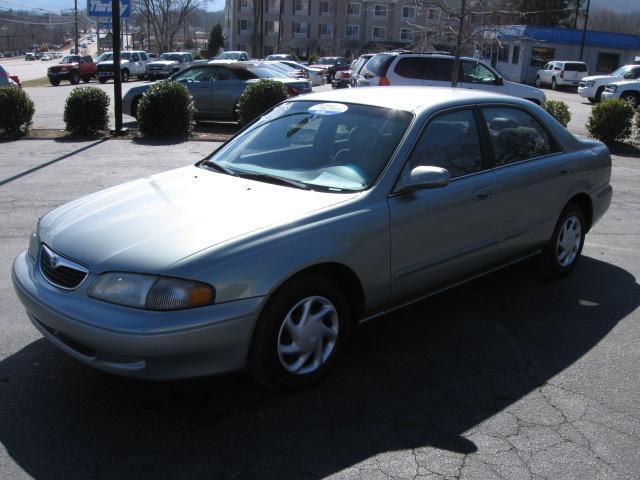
x,y
273,179
218,168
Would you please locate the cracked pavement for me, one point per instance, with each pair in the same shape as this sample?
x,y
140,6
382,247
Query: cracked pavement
x,y
508,377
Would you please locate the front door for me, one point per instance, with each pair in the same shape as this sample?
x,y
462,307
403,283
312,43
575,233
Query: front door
x,y
442,235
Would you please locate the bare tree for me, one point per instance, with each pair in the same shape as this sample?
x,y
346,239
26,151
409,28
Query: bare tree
x,y
167,18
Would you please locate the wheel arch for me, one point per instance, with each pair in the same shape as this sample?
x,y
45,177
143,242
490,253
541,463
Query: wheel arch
x,y
583,200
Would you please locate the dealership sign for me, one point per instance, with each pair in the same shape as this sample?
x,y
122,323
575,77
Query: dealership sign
x,y
102,8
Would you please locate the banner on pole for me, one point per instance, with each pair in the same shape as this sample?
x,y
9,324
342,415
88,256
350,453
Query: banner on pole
x,y
102,8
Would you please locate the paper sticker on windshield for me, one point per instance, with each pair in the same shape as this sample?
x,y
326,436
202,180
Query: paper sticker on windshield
x,y
279,110
327,109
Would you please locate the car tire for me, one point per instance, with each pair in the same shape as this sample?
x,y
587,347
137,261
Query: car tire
x,y
134,107
102,79
632,98
124,75
554,85
598,94
236,113
592,99
294,344
561,255
538,81
74,79
86,79
55,82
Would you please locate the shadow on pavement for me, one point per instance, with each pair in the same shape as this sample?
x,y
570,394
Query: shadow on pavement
x,y
419,377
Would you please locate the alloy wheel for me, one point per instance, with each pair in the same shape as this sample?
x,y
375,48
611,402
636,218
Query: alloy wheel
x,y
569,239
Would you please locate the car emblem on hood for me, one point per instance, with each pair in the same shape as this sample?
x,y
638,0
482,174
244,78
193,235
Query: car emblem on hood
x,y
54,261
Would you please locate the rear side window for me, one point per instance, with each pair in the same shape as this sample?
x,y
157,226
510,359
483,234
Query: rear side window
x,y
575,67
143,56
450,141
378,64
424,68
516,135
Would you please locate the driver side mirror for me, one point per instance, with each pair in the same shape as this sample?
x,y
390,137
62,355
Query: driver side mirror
x,y
499,81
424,177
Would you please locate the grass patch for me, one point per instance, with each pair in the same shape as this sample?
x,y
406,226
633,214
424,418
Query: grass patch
x,y
38,82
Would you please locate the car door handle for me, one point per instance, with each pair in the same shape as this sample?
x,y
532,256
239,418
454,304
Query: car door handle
x,y
482,194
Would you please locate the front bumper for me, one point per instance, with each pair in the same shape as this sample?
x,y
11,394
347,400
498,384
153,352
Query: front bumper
x,y
137,343
58,75
587,92
608,95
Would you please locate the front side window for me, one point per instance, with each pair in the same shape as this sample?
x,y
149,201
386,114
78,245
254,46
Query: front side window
x,y
516,135
450,141
475,72
336,147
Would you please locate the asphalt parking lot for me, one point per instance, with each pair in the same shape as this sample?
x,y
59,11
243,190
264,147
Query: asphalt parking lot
x,y
510,376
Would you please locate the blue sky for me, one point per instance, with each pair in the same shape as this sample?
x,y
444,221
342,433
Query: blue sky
x,y
65,4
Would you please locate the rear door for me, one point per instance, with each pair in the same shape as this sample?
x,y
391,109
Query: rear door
x,y
533,174
441,235
200,83
437,71
227,89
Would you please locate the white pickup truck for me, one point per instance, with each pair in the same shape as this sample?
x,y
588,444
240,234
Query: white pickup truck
x,y
592,87
628,90
132,63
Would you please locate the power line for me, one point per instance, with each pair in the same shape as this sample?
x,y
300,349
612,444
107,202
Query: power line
x,y
35,23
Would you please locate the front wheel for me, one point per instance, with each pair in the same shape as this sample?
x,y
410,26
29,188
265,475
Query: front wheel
x,y
599,94
75,78
538,81
54,82
554,85
300,333
86,79
563,251
125,76
102,79
631,98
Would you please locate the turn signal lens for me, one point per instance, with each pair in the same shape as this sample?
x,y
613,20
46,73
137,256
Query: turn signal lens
x,y
384,82
172,294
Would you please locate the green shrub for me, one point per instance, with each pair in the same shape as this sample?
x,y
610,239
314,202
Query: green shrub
x,y
611,121
313,58
86,111
637,124
16,111
259,97
558,110
166,109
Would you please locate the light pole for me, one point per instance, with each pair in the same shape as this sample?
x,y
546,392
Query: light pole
x,y
584,28
75,27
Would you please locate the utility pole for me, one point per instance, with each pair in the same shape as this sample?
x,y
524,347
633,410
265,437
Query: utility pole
x,y
75,27
148,27
456,62
117,75
584,28
279,24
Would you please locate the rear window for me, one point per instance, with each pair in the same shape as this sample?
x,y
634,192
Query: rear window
x,y
575,67
378,64
436,69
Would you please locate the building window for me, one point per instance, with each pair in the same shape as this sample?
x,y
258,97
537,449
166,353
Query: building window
x,y
246,5
379,33
273,6
325,9
503,53
245,27
301,7
433,14
353,9
405,35
380,11
515,57
541,55
300,29
408,13
607,62
353,31
271,27
325,30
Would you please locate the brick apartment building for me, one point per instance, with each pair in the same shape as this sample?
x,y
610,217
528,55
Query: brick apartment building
x,y
331,27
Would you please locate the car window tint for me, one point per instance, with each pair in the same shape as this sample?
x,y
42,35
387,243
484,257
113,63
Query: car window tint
x,y
411,67
450,141
516,135
135,57
225,74
143,56
475,72
438,69
198,74
378,64
575,67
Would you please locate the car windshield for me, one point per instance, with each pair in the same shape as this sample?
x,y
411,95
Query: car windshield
x,y
125,55
228,56
174,57
68,60
621,71
264,72
335,147
105,56
327,61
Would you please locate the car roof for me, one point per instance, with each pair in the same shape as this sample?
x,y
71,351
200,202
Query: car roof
x,y
170,53
404,98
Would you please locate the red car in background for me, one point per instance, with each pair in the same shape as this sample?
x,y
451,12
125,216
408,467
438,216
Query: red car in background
x,y
73,68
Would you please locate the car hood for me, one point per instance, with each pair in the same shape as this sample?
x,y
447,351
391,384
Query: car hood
x,y
148,224
598,77
164,63
624,82
110,62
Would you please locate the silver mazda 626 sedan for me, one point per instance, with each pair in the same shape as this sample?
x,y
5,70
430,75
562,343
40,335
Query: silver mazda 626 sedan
x,y
330,209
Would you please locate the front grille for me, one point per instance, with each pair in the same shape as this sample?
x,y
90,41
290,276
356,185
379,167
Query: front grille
x,y
61,271
582,84
104,68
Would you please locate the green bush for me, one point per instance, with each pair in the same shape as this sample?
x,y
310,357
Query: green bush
x,y
558,110
16,111
611,121
86,111
259,97
637,124
313,58
166,110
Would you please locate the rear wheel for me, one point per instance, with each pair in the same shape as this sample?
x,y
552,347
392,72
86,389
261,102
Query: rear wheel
x,y
86,79
134,108
102,79
563,251
300,333
74,78
54,81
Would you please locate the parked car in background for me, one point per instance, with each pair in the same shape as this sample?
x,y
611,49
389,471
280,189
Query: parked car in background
x,y
434,70
286,69
593,86
316,76
331,65
216,88
29,56
168,64
331,209
72,68
73,51
628,91
233,56
281,56
341,79
561,73
46,57
132,63
357,66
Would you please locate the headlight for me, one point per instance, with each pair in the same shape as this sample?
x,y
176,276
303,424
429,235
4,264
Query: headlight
x,y
590,83
34,242
151,292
